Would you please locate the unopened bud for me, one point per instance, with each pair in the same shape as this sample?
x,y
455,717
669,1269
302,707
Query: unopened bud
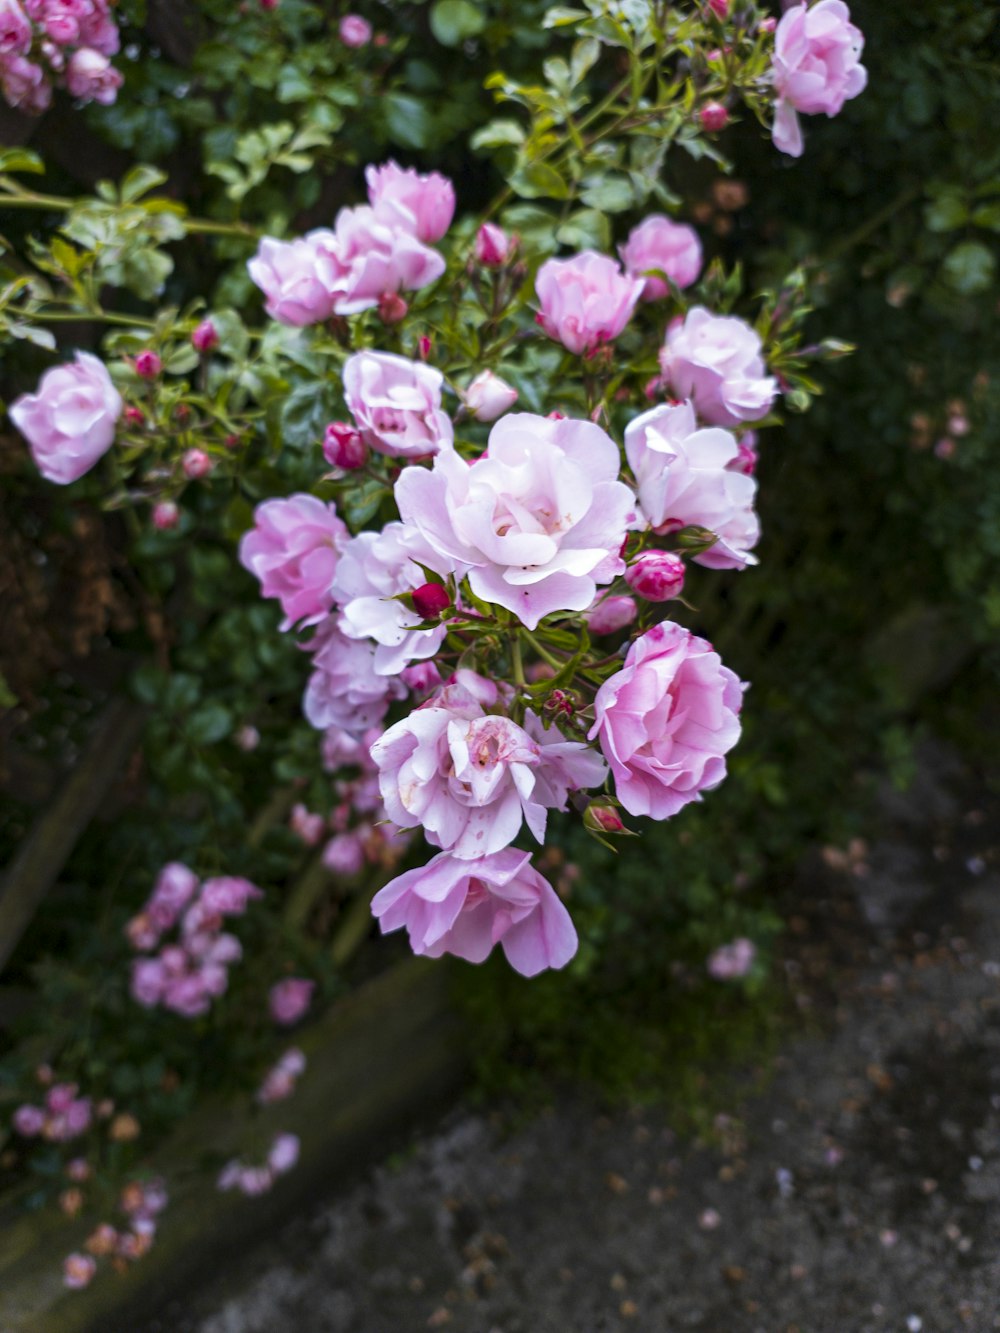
x,y
611,614
493,246
695,539
430,600
135,416
489,397
599,817
166,515
343,446
391,308
713,116
196,463
424,346
656,575
148,365
204,337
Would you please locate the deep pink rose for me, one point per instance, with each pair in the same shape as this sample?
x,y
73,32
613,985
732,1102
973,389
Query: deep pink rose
x,y
344,689
429,200
466,907
293,549
659,243
816,68
493,246
585,301
686,475
657,576
289,1000
301,279
378,253
665,721
397,404
539,522
489,397
716,361
70,422
15,30
354,31
25,85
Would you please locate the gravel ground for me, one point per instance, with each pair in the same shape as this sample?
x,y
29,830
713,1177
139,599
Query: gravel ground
x,y
859,1193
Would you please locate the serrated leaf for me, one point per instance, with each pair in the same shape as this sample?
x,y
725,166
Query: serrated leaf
x,y
539,181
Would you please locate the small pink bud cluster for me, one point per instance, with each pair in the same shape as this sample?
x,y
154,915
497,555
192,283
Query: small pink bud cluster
x,y
731,961
63,1115
253,1180
141,1203
57,42
279,1081
193,970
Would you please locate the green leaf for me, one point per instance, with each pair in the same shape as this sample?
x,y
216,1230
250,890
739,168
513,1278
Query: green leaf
x,y
453,21
539,181
585,230
988,216
559,16
408,120
946,212
209,723
498,133
610,194
970,268
139,181
21,159
181,360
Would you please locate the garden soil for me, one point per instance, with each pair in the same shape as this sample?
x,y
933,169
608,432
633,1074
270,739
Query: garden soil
x,y
857,1192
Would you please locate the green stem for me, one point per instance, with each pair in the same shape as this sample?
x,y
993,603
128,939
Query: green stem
x,y
102,316
12,196
517,665
542,652
873,223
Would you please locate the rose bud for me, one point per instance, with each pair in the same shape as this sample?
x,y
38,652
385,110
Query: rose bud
x,y
196,463
343,446
611,614
656,575
166,515
354,31
601,817
493,246
391,308
430,600
489,397
204,337
135,416
148,365
713,116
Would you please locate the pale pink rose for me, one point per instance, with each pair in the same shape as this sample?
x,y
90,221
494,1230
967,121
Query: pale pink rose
x,y
659,243
429,200
716,361
610,614
377,253
24,85
469,778
70,422
345,854
306,824
489,397
28,1121
686,476
293,549
656,576
98,28
747,460
92,77
354,31
141,933
816,69
466,907
289,1000
732,960
397,404
374,569
339,749
421,678
283,1153
15,30
228,895
78,1271
301,279
585,301
666,720
539,522
61,21
493,246
344,689
174,888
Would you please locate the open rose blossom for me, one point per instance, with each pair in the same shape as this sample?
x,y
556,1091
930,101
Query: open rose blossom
x,y
289,1000
24,85
466,907
539,522
344,689
659,243
92,77
686,475
665,721
816,68
70,422
15,30
469,777
379,253
396,404
429,200
716,361
585,301
293,549
300,279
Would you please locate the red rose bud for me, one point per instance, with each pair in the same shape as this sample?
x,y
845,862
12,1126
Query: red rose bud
x,y
713,116
148,365
430,600
493,246
602,818
166,515
343,446
656,575
391,308
424,346
134,416
204,337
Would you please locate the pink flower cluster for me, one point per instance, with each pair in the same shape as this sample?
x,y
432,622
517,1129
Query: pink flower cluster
x,y
279,1081
254,1180
373,252
142,1203
61,42
63,1116
193,970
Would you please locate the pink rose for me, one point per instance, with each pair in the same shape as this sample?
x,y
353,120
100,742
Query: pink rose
x,y
283,1153
175,887
665,721
148,980
344,854
610,614
28,1121
816,67
293,549
687,476
493,246
354,31
489,397
428,200
97,27
25,86
465,907
92,77
15,30
78,1271
378,253
289,1000
299,278
716,361
228,895
585,301
659,243
539,522
732,960
344,689
375,567
656,576
70,422
397,404
60,19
